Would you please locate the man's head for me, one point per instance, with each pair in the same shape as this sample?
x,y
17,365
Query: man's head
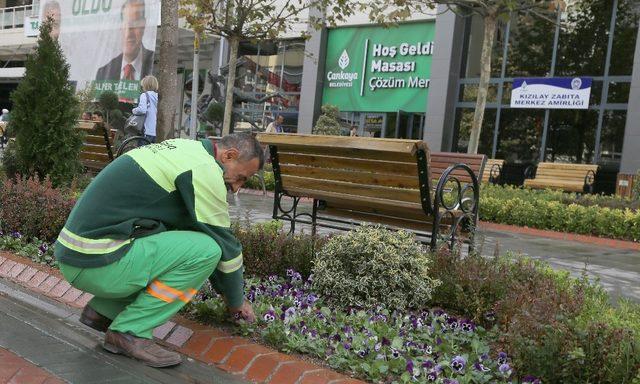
x,y
241,156
279,119
52,9
133,22
97,116
86,115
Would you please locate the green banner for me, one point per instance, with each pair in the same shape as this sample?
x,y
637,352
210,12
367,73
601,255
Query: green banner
x,y
377,69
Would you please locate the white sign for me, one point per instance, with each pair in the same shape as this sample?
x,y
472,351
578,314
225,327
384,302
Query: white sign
x,y
551,93
31,25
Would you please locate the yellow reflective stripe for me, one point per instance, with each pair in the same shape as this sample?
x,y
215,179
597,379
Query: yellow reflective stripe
x,y
90,246
231,265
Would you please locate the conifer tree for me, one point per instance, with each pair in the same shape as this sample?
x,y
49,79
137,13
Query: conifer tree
x,y
44,114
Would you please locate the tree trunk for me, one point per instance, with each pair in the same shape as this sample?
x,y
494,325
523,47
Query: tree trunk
x,y
485,74
168,71
231,80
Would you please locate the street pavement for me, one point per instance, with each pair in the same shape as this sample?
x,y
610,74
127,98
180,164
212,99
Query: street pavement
x,y
617,269
35,331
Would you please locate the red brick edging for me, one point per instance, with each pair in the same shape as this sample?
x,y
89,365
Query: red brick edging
x,y
233,354
15,369
602,241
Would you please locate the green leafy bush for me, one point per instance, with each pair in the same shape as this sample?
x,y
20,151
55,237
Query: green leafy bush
x,y
554,215
372,266
254,182
34,208
267,249
34,249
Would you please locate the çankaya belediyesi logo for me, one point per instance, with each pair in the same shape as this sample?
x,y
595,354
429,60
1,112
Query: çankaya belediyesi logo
x,y
343,61
342,79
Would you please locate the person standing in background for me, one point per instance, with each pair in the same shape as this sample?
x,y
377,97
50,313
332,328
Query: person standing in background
x,y
148,106
276,125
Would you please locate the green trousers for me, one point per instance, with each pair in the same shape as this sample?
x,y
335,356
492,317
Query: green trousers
x,y
150,284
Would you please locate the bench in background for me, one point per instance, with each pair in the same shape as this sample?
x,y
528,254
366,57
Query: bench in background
x,y
567,177
97,150
387,181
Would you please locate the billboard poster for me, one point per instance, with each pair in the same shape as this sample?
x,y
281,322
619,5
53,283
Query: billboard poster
x,y
109,44
551,93
378,69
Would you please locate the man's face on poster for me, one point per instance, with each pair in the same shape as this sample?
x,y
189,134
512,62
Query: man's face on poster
x,y
133,22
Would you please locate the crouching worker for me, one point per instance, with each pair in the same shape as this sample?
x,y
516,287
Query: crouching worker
x,y
148,231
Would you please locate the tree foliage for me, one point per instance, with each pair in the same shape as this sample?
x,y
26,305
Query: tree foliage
x,y
44,115
255,20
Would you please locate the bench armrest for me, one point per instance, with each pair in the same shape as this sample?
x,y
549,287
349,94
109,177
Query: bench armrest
x,y
462,201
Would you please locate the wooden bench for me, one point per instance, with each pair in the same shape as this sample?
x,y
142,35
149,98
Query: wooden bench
x,y
492,171
567,177
97,150
388,181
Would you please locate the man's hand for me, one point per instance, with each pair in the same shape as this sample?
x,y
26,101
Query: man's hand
x,y
245,312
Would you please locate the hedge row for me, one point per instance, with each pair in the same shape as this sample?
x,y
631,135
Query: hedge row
x,y
557,216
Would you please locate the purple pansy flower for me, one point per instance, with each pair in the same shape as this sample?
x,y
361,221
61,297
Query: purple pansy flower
x,y
269,316
505,369
480,367
458,363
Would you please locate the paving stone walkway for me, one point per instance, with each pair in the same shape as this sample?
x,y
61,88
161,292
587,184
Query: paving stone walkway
x,y
617,269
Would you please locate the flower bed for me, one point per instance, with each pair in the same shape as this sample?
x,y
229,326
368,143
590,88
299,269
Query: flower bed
x,y
376,344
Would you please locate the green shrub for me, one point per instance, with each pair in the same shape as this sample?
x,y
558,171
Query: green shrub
x,y
329,122
554,215
44,115
370,266
267,249
34,208
254,182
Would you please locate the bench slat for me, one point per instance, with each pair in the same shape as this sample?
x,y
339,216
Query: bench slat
x,y
103,157
382,205
334,162
362,190
367,178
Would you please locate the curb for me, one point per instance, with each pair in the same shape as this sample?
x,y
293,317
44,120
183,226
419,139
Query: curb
x,y
549,234
601,241
236,355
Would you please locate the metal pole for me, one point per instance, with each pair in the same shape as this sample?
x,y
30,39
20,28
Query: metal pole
x,y
605,82
195,77
496,128
543,145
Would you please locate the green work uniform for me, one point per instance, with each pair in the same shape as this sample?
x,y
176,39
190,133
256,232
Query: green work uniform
x,y
147,232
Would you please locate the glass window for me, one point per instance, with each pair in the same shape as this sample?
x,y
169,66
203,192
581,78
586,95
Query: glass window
x,y
618,92
469,92
531,46
612,137
583,38
571,136
464,120
520,135
624,38
270,69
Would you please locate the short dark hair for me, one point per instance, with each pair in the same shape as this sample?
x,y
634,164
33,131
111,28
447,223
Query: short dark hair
x,y
247,144
98,113
129,2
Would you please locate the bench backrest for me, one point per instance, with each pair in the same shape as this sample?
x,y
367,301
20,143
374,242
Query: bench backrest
x,y
96,144
368,172
565,172
440,161
491,164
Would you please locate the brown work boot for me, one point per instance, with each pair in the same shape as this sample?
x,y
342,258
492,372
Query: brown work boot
x,y
93,319
141,349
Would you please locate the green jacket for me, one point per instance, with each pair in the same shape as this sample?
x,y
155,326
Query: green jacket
x,y
173,185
